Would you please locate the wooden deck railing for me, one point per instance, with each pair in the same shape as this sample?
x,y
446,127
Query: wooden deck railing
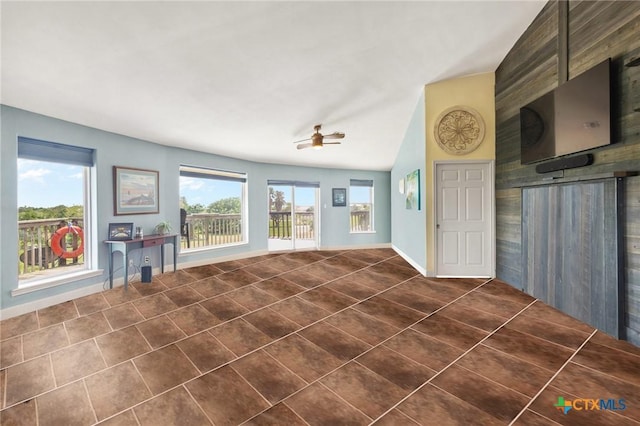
x,y
360,221
205,229
34,251
212,229
281,226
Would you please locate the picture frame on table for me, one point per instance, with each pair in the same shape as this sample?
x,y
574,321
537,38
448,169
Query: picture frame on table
x,y
120,231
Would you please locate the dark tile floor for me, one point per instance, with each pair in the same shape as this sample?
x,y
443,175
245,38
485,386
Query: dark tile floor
x,y
317,338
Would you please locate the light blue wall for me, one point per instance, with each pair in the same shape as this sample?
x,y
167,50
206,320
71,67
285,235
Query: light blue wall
x,y
113,149
409,227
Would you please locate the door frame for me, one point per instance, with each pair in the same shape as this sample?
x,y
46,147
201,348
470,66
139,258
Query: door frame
x,y
316,215
492,210
316,218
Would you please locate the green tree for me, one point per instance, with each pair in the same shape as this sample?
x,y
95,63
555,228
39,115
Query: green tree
x,y
229,205
57,212
276,199
196,208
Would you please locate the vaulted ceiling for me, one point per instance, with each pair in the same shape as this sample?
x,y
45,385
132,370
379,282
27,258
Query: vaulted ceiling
x,y
246,79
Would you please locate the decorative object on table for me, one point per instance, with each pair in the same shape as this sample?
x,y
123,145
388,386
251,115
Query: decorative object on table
x,y
135,191
317,139
120,231
459,130
412,190
139,233
339,197
162,228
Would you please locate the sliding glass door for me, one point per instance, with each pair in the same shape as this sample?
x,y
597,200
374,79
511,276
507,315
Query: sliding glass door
x,y
293,215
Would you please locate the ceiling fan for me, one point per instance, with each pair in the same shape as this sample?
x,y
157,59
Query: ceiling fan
x,y
317,139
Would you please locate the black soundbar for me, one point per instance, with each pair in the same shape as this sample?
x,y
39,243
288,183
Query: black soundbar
x,y
565,163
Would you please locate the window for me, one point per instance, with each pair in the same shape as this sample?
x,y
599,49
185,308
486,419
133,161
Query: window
x,y
212,207
53,210
361,205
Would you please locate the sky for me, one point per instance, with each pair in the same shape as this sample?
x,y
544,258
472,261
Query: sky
x,y
44,184
206,191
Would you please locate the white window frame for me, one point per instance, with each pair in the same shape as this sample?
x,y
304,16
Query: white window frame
x,y
244,208
372,228
90,260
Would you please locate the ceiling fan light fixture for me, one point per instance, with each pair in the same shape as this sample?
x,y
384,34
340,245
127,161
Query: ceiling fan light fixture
x,y
317,139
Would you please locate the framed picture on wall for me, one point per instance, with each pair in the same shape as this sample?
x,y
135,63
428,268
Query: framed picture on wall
x,y
412,190
135,191
339,197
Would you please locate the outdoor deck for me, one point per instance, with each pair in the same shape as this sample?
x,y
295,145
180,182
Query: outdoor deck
x,y
37,259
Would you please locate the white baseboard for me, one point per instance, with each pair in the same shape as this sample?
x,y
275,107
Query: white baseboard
x,y
410,261
357,247
25,308
201,262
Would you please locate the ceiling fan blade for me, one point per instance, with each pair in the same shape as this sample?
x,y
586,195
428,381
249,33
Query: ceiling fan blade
x,y
334,135
331,143
307,139
304,145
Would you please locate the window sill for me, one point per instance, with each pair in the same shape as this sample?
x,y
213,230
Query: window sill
x,y
44,283
362,232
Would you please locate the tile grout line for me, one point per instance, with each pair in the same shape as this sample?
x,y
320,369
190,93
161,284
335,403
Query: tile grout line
x,y
552,378
206,330
456,359
274,341
401,330
86,391
323,319
306,290
228,363
255,350
161,347
194,401
611,376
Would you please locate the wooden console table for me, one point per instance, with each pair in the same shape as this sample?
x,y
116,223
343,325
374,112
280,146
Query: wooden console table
x,y
126,246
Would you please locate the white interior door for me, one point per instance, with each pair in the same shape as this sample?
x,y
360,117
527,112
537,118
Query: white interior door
x,y
464,219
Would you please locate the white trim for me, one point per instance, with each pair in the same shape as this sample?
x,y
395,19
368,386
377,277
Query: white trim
x,y
357,247
410,261
210,261
41,284
197,250
492,212
464,276
24,308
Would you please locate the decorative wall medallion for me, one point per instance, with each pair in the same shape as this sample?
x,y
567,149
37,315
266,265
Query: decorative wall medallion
x,y
459,130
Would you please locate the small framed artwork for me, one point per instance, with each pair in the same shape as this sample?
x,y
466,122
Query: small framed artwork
x,y
412,190
339,197
135,191
120,231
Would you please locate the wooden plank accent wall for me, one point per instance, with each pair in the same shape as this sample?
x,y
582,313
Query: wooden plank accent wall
x,y
570,249
596,31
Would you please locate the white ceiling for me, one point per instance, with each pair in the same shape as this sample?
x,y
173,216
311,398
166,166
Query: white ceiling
x,y
246,79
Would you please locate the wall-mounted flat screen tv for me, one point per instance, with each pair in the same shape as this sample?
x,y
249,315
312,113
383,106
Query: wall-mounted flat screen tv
x,y
574,117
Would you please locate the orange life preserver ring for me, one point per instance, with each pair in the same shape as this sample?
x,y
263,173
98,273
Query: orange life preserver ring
x,y
58,238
